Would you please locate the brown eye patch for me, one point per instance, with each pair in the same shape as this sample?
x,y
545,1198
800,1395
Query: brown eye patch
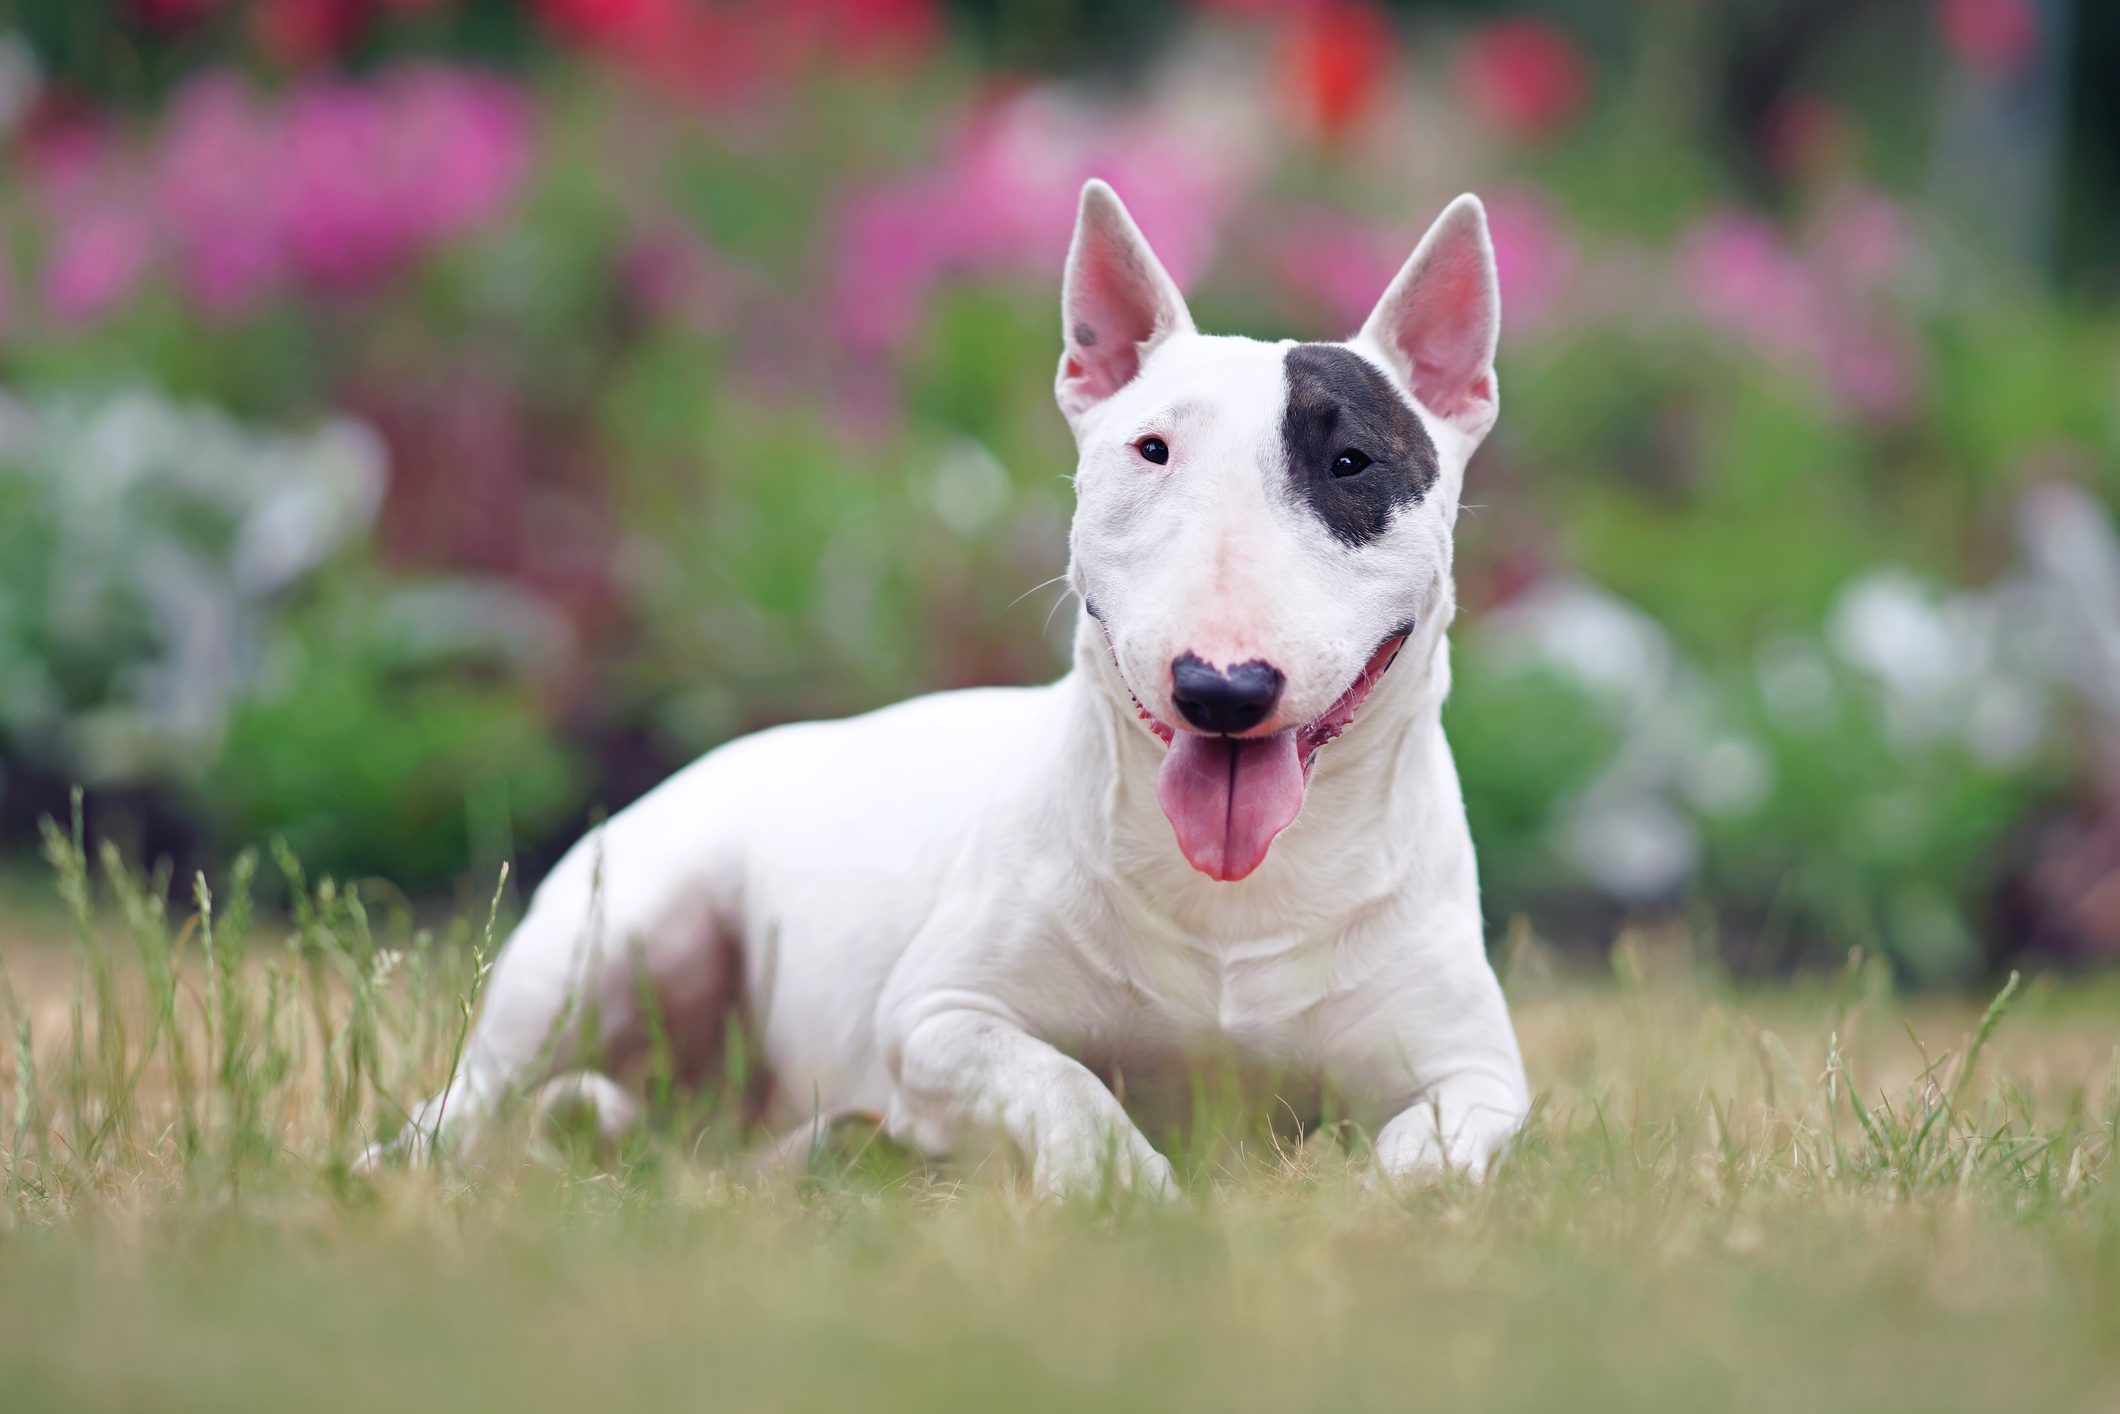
x,y
1339,402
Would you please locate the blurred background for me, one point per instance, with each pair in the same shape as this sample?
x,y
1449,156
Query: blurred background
x,y
428,422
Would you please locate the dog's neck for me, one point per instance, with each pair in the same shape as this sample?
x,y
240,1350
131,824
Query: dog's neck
x,y
1362,814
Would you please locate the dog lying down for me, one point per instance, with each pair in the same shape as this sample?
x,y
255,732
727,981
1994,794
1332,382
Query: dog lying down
x,y
1232,830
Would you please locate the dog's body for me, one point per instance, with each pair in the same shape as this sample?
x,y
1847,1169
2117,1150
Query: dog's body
x,y
981,914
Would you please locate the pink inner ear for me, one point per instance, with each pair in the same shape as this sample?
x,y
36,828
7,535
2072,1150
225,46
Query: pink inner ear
x,y
1112,310
1445,328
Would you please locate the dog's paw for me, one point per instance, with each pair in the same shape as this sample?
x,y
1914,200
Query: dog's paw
x,y
1096,1164
1406,1163
1413,1153
409,1149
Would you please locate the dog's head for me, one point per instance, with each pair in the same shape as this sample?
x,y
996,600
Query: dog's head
x,y
1259,526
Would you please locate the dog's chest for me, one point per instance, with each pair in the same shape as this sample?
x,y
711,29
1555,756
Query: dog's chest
x,y
1211,1033
1178,1010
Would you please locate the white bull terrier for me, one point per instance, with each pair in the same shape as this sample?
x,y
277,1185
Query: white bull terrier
x,y
1233,829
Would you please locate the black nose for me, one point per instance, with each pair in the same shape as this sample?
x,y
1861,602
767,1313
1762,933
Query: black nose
x,y
1215,701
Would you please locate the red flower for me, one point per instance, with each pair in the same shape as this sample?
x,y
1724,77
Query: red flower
x,y
304,34
872,29
695,47
679,46
606,21
1339,54
1524,76
787,35
1996,39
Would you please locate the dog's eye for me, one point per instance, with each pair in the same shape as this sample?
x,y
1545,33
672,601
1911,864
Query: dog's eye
x,y
1154,449
1349,462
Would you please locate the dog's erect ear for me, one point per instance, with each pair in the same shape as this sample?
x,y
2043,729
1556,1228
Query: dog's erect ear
x,y
1116,303
1437,324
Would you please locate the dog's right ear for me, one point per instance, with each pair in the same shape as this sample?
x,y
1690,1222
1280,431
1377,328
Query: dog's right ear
x,y
1116,303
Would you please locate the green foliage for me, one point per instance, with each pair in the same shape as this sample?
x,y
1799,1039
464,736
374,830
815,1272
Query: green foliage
x,y
1525,741
1866,837
414,772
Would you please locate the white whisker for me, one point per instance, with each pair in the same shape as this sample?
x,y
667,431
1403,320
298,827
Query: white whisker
x,y
1047,626
1035,588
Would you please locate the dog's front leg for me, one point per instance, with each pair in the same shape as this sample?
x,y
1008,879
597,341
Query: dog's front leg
x,y
1449,1039
967,1076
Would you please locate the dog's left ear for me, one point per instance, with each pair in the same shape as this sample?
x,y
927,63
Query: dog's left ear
x,y
1116,303
1438,322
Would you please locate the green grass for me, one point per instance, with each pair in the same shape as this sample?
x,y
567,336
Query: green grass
x,y
1817,1196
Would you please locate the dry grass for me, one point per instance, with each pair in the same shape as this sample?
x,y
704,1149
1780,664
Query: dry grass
x,y
1813,1196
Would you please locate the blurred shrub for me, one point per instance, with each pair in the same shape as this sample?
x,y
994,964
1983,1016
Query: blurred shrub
x,y
183,603
374,755
145,544
1859,784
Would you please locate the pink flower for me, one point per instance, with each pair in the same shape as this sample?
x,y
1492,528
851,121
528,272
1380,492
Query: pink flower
x,y
1533,257
99,245
891,249
98,254
1743,278
375,174
1867,370
1864,238
342,219
1996,39
1818,315
1003,201
1341,265
219,197
469,141
1335,263
1524,76
340,185
378,172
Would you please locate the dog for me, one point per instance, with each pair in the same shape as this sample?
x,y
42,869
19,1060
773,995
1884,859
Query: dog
x,y
1233,829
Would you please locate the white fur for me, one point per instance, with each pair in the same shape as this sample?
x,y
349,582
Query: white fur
x,y
967,912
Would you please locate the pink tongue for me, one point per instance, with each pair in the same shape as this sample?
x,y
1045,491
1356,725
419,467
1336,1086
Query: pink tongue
x,y
1227,799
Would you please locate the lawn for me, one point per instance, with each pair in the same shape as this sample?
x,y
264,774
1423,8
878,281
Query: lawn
x,y
1809,1194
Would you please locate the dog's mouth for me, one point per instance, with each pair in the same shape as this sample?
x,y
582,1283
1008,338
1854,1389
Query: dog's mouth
x,y
1228,797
